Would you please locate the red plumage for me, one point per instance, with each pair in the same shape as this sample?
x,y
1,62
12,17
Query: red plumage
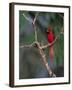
x,y
50,38
50,35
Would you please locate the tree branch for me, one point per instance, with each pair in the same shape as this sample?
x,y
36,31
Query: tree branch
x,y
34,21
39,47
61,16
41,52
35,18
28,46
49,44
28,19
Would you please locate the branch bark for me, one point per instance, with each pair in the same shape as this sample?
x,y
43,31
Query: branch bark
x,y
41,52
28,46
34,21
28,19
49,44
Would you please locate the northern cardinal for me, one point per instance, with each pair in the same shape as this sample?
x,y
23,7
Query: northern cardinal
x,y
50,38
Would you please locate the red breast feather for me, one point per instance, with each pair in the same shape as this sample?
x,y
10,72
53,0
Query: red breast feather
x,y
50,37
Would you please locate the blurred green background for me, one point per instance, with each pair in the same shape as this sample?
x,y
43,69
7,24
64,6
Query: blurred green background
x,y
30,65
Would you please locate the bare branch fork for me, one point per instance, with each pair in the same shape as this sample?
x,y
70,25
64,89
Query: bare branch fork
x,y
39,47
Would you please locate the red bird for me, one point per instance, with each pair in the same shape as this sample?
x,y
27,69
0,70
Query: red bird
x,y
50,38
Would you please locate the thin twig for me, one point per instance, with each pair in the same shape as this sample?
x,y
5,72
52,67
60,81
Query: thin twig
x,y
44,46
62,31
49,44
35,17
28,46
61,16
28,19
34,21
35,33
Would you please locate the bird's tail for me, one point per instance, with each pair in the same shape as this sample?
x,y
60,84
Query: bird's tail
x,y
51,52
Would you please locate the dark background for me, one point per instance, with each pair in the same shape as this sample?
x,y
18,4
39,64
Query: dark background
x,y
30,65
